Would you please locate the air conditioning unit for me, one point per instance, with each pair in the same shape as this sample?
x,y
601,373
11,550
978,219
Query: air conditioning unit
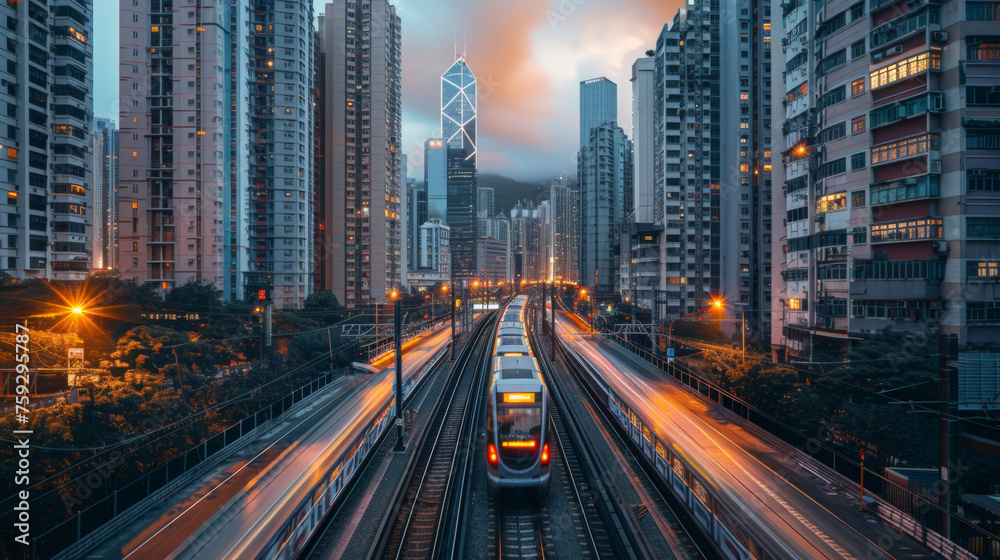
x,y
940,247
894,50
939,36
934,166
820,218
936,102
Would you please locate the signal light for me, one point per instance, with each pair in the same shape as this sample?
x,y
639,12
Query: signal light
x,y
491,454
545,455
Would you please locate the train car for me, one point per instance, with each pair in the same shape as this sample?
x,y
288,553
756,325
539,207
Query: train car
x,y
517,449
511,345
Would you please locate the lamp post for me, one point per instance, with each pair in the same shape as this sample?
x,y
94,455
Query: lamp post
x,y
454,303
398,336
718,303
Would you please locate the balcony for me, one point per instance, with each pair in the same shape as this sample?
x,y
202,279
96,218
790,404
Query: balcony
x,y
906,149
907,230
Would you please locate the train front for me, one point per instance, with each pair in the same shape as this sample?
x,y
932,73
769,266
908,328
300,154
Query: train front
x,y
518,453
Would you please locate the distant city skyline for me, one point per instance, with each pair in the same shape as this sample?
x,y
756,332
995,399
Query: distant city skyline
x,y
528,90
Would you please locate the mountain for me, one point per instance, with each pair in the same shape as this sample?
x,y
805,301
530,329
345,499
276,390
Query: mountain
x,y
507,192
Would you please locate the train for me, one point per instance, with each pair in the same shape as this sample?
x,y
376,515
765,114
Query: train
x,y
295,501
518,453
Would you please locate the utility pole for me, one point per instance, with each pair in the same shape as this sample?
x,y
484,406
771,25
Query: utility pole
x,y
398,336
553,303
948,424
543,307
329,342
453,302
268,308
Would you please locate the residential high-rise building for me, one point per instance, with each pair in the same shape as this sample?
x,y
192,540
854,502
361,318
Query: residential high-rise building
x,y
462,179
604,170
216,157
598,105
435,252
281,157
527,250
416,215
173,129
361,96
888,176
436,178
565,230
105,188
45,222
237,209
641,271
546,259
745,176
485,209
459,107
491,258
686,165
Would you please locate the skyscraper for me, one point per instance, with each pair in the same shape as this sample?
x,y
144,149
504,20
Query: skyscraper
x,y
105,188
361,93
281,166
598,105
436,178
174,124
890,156
485,209
458,108
745,175
45,223
462,179
686,165
604,169
565,230
416,215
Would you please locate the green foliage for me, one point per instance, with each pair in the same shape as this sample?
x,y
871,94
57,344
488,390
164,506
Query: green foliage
x,y
764,384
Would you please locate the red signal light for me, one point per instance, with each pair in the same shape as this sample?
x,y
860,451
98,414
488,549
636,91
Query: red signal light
x,y
491,455
545,455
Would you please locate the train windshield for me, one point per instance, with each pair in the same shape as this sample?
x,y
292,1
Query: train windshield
x,y
519,428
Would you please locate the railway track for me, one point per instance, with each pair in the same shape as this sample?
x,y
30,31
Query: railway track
x,y
427,523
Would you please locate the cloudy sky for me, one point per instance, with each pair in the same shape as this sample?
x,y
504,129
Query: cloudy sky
x,y
528,56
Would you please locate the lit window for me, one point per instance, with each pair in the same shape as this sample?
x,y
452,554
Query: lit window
x,y
794,303
135,154
744,168
831,203
12,153
858,86
858,124
905,69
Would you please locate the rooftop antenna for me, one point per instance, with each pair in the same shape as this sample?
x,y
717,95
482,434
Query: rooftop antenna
x,y
465,40
456,42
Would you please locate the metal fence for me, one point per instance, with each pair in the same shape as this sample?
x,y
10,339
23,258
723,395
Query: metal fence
x,y
93,517
985,545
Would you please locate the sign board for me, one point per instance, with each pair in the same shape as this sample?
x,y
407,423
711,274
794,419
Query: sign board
x,y
74,358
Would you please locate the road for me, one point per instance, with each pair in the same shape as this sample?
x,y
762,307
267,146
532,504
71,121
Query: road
x,y
234,513
777,492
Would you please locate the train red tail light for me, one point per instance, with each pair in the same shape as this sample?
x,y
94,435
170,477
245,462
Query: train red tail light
x,y
491,454
545,455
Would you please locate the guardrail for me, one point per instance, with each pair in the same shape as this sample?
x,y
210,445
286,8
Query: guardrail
x,y
91,525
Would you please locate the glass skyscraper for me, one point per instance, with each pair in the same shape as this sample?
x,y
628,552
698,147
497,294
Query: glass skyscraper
x,y
458,108
598,105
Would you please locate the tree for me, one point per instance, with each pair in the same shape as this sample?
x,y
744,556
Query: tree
x,y
765,385
324,307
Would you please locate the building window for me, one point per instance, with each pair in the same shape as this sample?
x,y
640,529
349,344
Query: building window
x,y
905,69
858,161
858,124
982,11
831,203
982,96
983,180
905,189
902,149
794,303
984,269
982,228
857,49
985,311
857,87
983,48
857,199
909,230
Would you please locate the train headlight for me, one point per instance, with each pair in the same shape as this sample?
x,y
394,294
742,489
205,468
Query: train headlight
x,y
545,455
491,454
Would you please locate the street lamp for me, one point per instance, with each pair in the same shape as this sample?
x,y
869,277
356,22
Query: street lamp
x,y
718,303
398,339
